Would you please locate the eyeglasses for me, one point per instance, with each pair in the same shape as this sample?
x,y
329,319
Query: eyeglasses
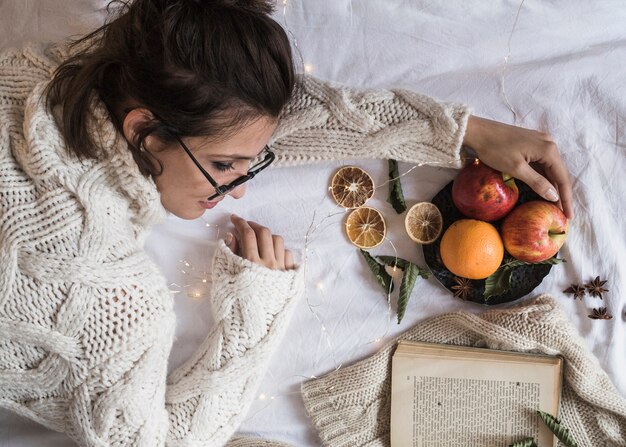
x,y
221,190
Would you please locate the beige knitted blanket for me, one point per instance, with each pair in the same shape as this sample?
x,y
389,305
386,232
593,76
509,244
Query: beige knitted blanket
x,y
351,407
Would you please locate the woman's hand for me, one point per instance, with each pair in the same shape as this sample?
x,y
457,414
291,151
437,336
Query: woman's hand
x,y
512,149
257,244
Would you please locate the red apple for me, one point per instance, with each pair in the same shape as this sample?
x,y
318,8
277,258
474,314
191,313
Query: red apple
x,y
482,193
534,231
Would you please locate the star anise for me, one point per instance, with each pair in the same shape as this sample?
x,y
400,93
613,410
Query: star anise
x,y
577,290
595,287
463,287
600,314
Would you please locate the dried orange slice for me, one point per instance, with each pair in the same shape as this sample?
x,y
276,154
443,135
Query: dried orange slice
x,y
423,222
366,227
351,187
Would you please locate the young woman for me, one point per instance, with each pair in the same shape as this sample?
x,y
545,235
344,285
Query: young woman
x,y
167,108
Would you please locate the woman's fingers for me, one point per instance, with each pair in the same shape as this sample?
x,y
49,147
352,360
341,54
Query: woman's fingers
x,y
259,245
279,251
536,181
552,167
512,149
247,239
558,173
231,242
289,264
264,242
554,187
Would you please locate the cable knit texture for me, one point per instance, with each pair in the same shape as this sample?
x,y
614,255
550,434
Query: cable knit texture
x,y
327,121
351,407
87,320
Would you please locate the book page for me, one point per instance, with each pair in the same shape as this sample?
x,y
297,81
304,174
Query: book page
x,y
471,401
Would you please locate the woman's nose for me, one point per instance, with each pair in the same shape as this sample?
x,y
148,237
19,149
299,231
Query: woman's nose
x,y
238,192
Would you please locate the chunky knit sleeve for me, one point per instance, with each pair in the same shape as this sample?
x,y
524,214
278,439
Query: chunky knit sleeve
x,y
86,319
326,121
208,397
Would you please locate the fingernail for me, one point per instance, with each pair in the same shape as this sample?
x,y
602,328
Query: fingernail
x,y
228,239
552,195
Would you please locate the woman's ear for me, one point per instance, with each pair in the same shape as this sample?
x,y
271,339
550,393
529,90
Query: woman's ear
x,y
134,121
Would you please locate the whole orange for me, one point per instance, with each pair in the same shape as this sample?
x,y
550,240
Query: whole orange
x,y
471,249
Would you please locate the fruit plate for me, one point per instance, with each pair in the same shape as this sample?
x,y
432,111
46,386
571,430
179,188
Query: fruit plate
x,y
524,278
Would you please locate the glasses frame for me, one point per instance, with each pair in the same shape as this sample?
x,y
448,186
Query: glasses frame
x,y
221,190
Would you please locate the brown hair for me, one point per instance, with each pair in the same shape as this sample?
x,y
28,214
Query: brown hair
x,y
202,67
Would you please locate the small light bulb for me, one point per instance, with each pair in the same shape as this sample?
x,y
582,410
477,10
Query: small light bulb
x,y
261,396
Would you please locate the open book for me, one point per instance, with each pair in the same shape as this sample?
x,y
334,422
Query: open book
x,y
453,396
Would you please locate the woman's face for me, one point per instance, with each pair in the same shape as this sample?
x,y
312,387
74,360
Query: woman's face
x,y
184,189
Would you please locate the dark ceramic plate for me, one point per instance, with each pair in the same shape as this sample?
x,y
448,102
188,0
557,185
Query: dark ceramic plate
x,y
524,278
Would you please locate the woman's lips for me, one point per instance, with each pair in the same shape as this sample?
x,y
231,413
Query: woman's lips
x,y
207,205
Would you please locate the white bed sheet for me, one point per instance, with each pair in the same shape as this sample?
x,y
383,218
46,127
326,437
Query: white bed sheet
x,y
557,66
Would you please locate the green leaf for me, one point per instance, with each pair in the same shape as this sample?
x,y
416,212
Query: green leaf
x,y
553,261
383,278
394,261
500,281
396,197
559,431
410,273
528,442
409,277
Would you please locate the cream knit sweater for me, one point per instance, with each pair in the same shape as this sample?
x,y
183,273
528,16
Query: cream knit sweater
x,y
86,319
351,407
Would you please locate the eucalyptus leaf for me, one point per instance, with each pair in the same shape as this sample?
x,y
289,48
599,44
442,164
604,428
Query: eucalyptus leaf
x,y
410,273
500,281
516,262
559,431
528,442
409,277
396,196
553,261
384,279
394,261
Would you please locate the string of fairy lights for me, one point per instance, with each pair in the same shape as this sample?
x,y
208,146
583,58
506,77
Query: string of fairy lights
x,y
506,64
198,282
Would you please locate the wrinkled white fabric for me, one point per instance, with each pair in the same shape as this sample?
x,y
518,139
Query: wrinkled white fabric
x,y
564,75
